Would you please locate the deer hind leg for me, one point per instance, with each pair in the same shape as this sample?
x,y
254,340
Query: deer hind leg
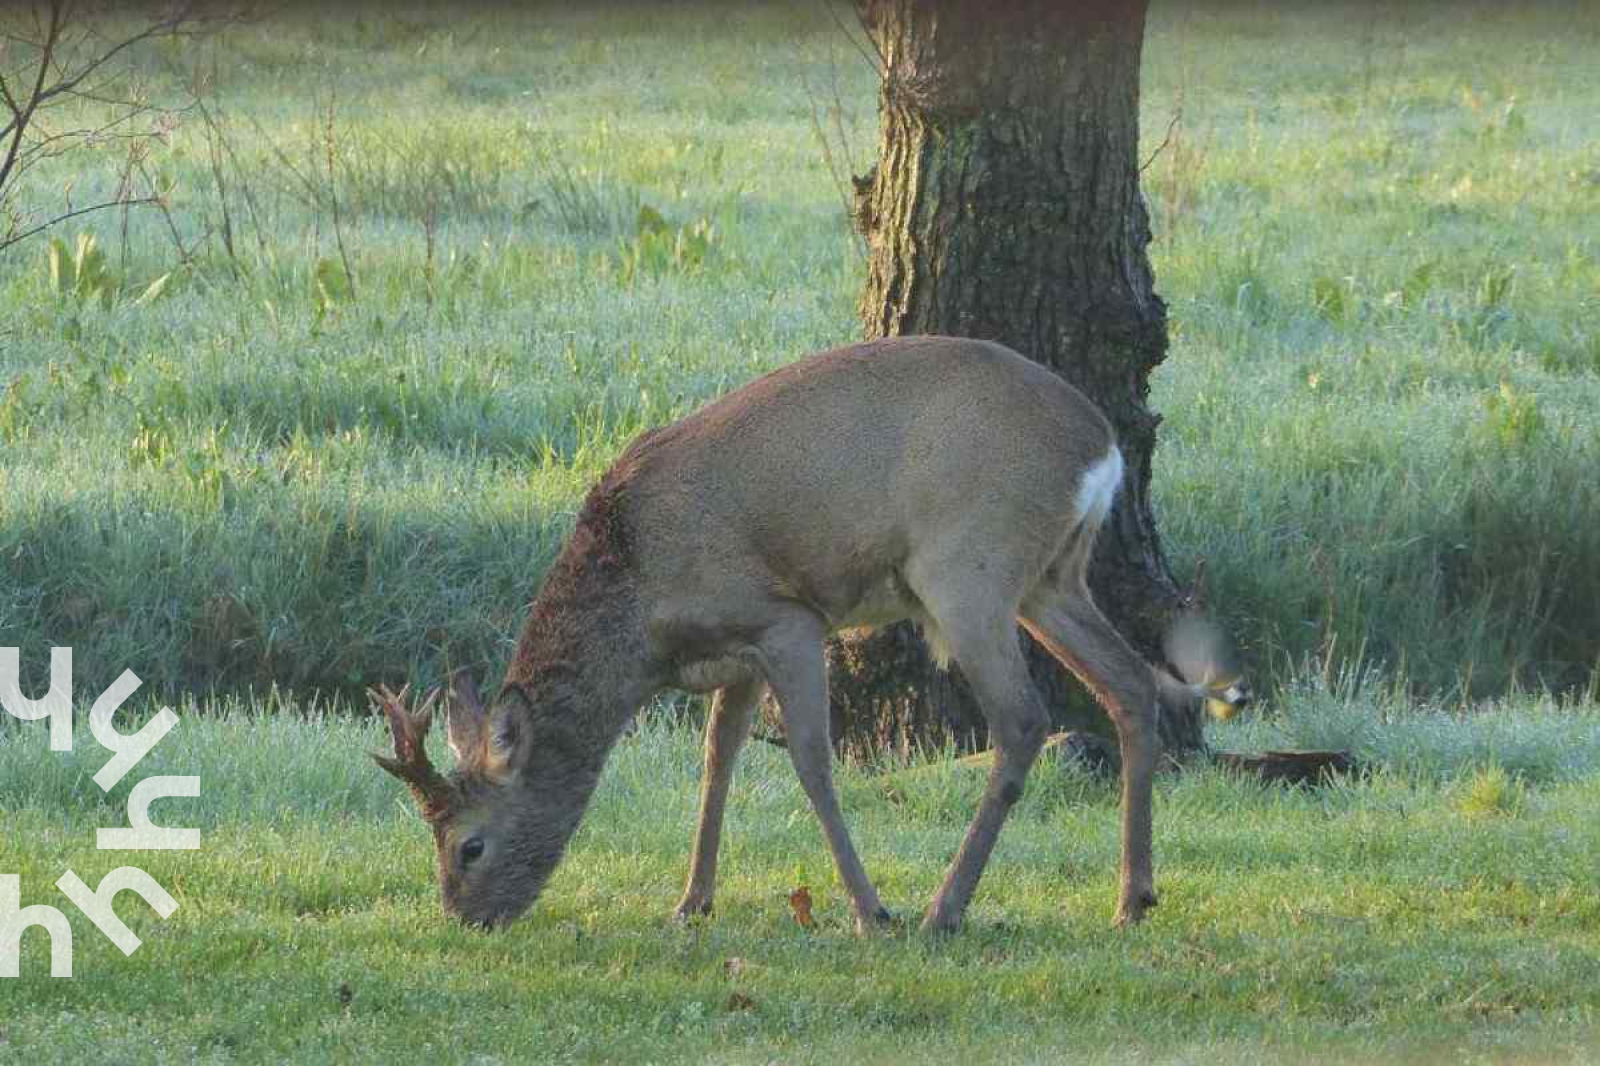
x,y
1065,620
798,673
728,725
980,630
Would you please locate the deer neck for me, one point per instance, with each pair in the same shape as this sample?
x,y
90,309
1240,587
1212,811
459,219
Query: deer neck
x,y
581,662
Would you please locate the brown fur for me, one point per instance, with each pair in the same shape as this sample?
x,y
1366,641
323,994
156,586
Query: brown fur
x,y
930,478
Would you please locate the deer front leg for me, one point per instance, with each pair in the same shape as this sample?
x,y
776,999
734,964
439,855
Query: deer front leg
x,y
798,674
728,725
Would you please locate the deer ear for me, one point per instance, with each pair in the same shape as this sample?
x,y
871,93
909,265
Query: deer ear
x,y
467,719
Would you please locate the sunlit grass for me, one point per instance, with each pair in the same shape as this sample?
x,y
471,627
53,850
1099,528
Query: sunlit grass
x,y
1441,909
1379,409
1374,233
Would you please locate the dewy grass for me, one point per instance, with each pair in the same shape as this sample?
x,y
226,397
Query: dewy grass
x,y
1380,406
1380,435
1441,912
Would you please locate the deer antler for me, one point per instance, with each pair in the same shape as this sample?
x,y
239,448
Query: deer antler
x,y
410,728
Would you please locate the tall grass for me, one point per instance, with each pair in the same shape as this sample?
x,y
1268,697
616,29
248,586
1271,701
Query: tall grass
x,y
565,226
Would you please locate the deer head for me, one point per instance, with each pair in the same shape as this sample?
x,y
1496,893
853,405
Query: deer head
x,y
498,829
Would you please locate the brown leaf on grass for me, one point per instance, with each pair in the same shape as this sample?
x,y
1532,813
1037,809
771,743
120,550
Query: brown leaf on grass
x,y
800,904
739,1001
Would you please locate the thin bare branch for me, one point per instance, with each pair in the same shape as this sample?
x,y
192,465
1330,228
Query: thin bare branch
x,y
222,148
23,114
329,144
171,26
69,57
1177,116
17,238
840,179
875,58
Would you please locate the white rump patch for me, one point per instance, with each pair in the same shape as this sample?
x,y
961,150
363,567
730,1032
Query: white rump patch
x,y
1099,488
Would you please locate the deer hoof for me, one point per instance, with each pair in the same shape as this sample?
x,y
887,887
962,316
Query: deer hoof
x,y
940,921
879,921
691,910
1134,907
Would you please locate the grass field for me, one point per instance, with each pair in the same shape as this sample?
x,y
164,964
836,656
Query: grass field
x,y
1442,910
279,478
1374,233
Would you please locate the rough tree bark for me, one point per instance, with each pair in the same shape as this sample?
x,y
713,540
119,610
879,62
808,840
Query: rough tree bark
x,y
1005,205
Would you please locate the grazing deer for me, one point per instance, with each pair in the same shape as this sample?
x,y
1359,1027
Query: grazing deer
x,y
948,481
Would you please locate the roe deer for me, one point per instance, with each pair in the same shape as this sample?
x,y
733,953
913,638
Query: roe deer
x,y
948,481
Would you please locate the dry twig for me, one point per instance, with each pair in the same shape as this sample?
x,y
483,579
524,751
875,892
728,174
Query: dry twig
x,y
65,85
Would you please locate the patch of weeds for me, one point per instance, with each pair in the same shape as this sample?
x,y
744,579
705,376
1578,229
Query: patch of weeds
x,y
205,468
1484,315
81,273
18,409
330,289
435,171
1512,418
78,386
1328,297
577,199
658,247
1492,792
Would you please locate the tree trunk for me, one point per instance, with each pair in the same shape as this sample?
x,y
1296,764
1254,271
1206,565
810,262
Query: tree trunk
x,y
1005,205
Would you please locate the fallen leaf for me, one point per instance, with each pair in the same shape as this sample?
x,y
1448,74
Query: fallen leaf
x,y
800,903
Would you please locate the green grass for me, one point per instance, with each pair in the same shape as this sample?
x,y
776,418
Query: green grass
x,y
1373,231
1440,909
1375,236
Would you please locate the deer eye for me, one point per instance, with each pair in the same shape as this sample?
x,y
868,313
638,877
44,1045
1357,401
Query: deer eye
x,y
471,850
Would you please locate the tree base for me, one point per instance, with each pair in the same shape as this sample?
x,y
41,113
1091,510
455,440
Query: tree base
x,y
888,697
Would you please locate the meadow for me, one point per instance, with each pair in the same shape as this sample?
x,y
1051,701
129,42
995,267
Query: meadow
x,y
1441,909
458,258
347,450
